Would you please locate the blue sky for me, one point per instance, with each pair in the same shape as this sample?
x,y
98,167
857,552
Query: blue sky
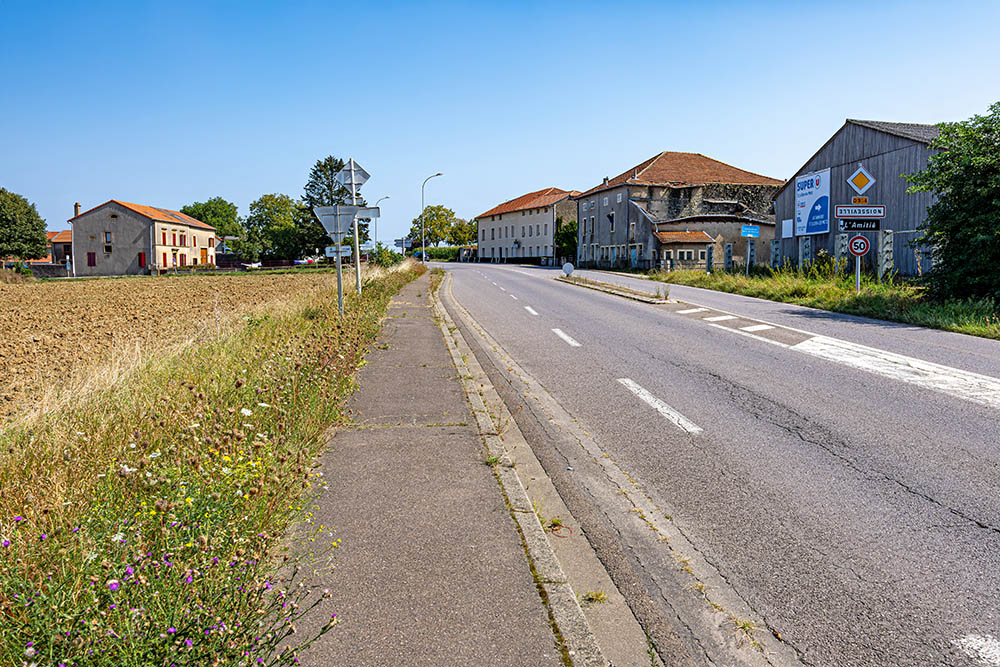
x,y
172,102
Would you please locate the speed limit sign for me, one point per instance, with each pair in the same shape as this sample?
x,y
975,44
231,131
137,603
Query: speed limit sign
x,y
859,246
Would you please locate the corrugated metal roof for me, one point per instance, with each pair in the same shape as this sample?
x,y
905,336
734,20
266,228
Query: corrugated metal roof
x,y
537,199
921,132
674,169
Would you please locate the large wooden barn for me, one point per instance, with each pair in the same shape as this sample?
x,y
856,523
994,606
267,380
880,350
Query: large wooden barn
x,y
886,151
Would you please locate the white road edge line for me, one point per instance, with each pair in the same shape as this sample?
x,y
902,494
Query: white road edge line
x,y
756,327
719,318
513,297
568,339
748,335
665,410
502,289
984,649
690,310
531,310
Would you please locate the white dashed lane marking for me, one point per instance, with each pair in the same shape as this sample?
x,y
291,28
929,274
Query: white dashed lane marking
x,y
691,310
568,339
720,318
984,649
531,310
756,327
668,413
513,297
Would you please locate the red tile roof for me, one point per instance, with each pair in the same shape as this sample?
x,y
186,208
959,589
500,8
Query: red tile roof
x,y
684,237
684,170
50,235
65,236
539,199
154,213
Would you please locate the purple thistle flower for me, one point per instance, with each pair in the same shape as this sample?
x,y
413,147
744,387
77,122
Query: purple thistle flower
x,y
113,585
6,543
171,631
43,536
18,519
189,642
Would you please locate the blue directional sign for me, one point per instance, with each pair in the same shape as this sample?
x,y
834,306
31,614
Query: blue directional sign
x,y
750,231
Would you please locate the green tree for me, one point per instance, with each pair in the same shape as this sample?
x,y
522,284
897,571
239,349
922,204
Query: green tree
x,y
438,220
462,232
963,225
323,189
225,217
565,238
273,226
22,230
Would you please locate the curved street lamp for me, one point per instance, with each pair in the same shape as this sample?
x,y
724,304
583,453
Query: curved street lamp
x,y
375,222
423,244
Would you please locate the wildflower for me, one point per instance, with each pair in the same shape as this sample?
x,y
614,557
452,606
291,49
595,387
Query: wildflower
x,y
246,412
171,631
18,519
113,585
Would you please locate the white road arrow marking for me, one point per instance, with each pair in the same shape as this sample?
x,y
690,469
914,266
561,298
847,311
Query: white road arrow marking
x,y
668,412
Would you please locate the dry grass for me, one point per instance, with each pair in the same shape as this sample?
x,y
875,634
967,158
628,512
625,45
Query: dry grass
x,y
141,523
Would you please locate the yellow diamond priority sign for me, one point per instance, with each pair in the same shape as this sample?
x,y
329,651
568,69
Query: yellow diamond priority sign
x,y
861,180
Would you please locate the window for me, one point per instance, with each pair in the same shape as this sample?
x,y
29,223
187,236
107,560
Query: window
x,y
211,241
546,229
522,231
538,229
194,240
183,260
604,202
701,255
619,198
164,257
591,225
611,221
142,260
668,254
164,238
107,250
183,239
493,234
529,230
173,238
91,259
685,255
107,237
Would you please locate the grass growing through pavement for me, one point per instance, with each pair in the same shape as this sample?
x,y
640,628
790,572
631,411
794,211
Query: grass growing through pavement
x,y
822,287
144,524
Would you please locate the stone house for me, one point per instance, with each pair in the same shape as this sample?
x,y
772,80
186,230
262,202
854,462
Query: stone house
x,y
522,229
62,246
688,250
671,192
119,238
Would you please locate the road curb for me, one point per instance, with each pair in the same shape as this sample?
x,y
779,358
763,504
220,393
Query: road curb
x,y
608,288
569,622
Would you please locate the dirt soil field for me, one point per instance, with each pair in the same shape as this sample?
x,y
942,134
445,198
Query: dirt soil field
x,y
54,333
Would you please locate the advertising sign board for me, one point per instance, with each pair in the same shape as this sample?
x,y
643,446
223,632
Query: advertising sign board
x,y
750,231
812,203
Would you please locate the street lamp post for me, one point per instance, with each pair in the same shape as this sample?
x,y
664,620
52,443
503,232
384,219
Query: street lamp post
x,y
423,243
375,222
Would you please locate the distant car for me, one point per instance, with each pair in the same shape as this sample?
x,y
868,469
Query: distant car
x,y
418,255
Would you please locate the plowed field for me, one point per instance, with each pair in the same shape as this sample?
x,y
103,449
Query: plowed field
x,y
52,333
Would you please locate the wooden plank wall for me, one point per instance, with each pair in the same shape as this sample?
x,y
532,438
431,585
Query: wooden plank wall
x,y
886,157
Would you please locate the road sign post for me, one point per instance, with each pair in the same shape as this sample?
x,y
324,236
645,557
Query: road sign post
x,y
352,177
859,247
336,221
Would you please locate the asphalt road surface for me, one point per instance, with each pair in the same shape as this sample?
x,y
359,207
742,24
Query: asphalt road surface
x,y
837,477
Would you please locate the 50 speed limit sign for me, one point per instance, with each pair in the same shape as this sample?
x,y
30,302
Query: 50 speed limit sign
x,y
859,246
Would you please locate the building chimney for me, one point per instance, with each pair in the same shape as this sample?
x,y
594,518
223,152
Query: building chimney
x,y
76,209
605,180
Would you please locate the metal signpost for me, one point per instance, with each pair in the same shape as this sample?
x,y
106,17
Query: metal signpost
x,y
336,220
859,247
750,232
404,243
352,177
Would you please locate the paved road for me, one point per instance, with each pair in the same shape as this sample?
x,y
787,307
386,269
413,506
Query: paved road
x,y
847,494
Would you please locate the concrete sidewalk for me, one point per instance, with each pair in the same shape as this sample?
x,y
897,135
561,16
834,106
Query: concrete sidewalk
x,y
431,569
